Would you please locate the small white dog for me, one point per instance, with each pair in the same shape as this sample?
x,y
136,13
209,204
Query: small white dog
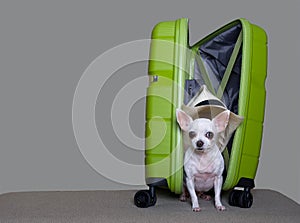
x,y
203,161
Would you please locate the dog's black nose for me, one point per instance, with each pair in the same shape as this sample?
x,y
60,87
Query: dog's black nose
x,y
200,143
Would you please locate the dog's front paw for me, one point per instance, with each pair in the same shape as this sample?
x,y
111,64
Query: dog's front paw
x,y
221,208
196,209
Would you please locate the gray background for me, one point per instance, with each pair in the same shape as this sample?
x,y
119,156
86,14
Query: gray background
x,y
45,46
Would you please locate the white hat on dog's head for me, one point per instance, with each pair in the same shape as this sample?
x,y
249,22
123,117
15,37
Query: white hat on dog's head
x,y
204,95
205,105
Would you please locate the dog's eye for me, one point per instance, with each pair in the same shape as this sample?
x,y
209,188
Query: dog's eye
x,y
209,135
192,134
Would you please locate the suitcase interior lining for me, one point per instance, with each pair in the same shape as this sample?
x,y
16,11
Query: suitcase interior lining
x,y
216,53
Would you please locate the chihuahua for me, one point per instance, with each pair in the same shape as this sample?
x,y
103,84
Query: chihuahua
x,y
203,161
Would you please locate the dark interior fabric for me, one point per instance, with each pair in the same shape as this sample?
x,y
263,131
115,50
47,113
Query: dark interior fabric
x,y
216,53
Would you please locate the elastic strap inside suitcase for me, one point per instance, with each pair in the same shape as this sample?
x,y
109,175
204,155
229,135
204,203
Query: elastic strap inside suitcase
x,y
228,70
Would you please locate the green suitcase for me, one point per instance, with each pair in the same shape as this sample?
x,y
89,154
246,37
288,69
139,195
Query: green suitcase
x,y
232,62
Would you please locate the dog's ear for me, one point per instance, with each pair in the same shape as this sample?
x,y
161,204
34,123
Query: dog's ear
x,y
183,119
221,121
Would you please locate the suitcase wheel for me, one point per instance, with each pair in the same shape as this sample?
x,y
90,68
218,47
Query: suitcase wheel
x,y
242,199
145,198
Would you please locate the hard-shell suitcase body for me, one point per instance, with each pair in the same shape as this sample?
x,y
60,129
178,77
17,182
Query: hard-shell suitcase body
x,y
236,52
